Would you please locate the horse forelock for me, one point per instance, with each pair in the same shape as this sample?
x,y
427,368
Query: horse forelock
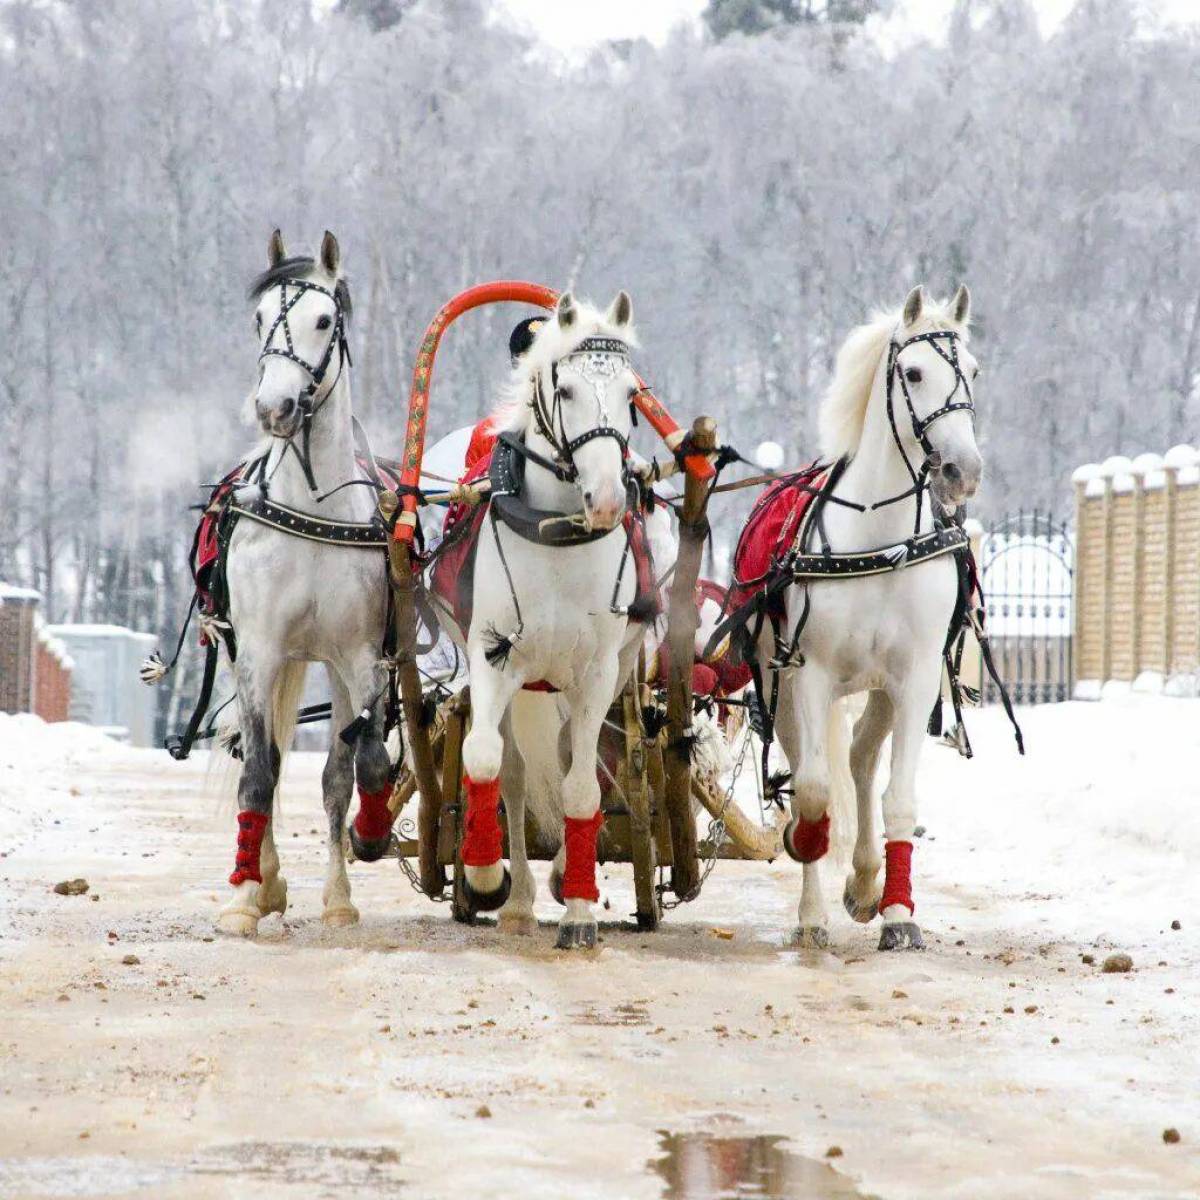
x,y
843,412
551,343
299,266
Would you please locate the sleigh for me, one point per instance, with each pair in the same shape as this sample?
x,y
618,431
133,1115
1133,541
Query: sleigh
x,y
652,787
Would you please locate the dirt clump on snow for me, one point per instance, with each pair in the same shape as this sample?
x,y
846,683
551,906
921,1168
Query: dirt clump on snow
x,y
1117,964
71,887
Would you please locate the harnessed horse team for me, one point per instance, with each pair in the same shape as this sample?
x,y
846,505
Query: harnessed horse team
x,y
860,599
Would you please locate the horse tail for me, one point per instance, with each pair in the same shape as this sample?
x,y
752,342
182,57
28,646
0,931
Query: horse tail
x,y
285,708
843,805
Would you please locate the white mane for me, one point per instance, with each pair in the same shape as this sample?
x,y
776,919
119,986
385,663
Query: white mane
x,y
550,343
844,408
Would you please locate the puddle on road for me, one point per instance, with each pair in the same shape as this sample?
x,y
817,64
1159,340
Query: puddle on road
x,y
313,1163
703,1166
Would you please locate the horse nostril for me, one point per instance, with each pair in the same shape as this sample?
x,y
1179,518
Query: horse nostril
x,y
587,499
285,409
951,473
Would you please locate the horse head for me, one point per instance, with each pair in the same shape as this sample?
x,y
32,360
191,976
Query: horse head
x,y
931,367
303,306
579,386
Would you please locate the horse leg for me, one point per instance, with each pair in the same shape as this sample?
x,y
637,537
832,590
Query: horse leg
x,y
516,916
256,677
582,817
900,931
487,881
861,896
337,784
801,722
366,681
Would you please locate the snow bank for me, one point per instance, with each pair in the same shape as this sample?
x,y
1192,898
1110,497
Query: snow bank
x,y
37,758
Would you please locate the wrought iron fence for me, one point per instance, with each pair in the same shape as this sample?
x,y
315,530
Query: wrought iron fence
x,y
1027,566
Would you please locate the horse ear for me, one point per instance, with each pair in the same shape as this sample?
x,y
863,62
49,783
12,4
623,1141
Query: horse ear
x,y
275,251
914,305
331,253
961,305
565,310
620,311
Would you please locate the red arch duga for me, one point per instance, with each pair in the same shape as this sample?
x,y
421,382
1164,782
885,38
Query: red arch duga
x,y
418,400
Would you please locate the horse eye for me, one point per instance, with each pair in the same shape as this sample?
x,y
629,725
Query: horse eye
x,y
258,322
566,392
975,373
913,374
324,322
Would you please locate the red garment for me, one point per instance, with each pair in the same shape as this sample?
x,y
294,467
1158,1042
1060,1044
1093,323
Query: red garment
x,y
483,438
483,839
809,839
374,819
251,828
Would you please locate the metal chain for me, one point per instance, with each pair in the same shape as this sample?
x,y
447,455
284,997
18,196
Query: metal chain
x,y
407,829
716,836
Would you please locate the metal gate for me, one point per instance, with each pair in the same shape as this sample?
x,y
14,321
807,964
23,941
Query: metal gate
x,y
1027,562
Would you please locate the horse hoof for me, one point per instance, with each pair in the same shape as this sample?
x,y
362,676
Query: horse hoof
x,y
478,902
340,917
239,922
812,937
862,913
556,885
902,935
576,935
517,924
272,897
369,849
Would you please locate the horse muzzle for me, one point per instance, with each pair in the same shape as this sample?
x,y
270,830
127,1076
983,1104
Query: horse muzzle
x,y
955,481
281,419
603,508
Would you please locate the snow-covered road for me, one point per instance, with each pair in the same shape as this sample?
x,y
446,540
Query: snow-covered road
x,y
412,1057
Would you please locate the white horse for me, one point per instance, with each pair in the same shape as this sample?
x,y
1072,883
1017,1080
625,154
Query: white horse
x,y
553,615
900,415
298,596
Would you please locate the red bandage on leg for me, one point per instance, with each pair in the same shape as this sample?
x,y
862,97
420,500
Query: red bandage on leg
x,y
373,820
483,841
579,873
810,839
251,827
897,878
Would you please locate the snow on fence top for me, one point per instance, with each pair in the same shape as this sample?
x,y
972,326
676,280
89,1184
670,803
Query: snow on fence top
x,y
1123,474
1137,611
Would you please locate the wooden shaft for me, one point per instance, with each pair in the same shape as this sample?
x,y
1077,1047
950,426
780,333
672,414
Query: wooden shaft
x,y
682,619
419,748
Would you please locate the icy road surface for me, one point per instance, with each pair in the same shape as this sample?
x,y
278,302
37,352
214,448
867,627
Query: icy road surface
x,y
415,1058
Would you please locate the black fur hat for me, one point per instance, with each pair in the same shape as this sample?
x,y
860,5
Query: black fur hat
x,y
521,337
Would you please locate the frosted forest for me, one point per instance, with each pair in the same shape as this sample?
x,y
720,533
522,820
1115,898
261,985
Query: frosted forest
x,y
760,183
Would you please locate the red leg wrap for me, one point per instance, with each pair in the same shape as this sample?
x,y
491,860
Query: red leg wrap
x,y
579,874
810,839
251,827
374,819
897,879
483,841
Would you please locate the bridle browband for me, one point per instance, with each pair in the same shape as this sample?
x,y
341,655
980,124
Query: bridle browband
x,y
306,402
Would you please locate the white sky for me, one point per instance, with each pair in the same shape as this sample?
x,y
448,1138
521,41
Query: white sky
x,y
572,25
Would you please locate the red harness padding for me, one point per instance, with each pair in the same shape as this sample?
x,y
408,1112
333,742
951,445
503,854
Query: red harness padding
x,y
770,531
810,839
374,819
483,840
579,873
897,878
251,827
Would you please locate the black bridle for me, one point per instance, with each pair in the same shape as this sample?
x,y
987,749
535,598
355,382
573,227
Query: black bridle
x,y
601,357
920,425
307,402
